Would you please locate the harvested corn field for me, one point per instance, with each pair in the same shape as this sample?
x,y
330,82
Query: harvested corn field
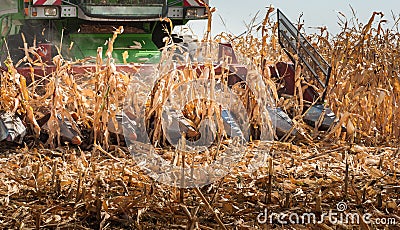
x,y
193,141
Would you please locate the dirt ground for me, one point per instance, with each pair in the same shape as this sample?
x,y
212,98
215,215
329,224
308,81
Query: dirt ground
x,y
69,188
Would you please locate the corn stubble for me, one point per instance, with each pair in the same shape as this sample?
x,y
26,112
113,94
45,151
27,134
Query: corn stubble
x,y
64,187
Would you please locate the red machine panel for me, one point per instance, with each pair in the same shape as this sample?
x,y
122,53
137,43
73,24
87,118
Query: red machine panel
x,y
47,2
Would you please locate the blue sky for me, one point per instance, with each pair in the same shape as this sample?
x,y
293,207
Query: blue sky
x,y
236,13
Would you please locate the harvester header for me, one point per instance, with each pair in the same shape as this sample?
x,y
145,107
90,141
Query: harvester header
x,y
85,32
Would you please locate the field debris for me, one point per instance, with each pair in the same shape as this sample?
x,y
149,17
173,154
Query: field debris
x,y
69,188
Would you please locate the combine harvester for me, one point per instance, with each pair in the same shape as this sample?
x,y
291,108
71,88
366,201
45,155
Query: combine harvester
x,y
77,28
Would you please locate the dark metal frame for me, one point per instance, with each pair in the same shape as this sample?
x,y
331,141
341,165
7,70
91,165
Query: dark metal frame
x,y
293,42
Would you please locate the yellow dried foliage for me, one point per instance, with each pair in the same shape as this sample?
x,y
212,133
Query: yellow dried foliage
x,y
364,90
366,74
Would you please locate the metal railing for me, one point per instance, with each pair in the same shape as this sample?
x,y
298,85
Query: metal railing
x,y
293,42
